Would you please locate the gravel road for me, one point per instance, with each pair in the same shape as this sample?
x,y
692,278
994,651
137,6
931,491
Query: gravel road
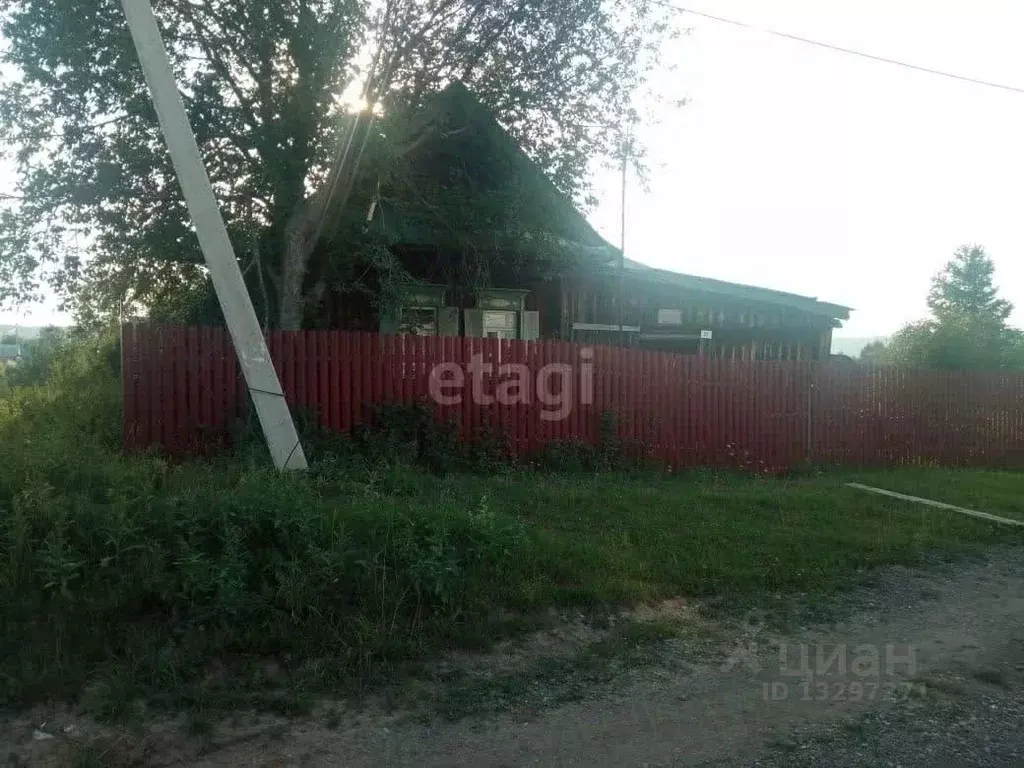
x,y
925,669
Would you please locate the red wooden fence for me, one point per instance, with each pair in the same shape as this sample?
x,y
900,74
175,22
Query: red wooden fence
x,y
183,391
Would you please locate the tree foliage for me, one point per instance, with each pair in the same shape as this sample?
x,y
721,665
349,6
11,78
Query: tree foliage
x,y
100,215
964,292
37,360
968,327
873,352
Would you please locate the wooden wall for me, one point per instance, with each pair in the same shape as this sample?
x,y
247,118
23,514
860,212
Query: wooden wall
x,y
740,331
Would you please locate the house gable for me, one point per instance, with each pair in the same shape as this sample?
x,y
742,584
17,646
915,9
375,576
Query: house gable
x,y
462,150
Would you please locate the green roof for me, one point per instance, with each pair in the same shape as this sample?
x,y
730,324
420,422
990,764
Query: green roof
x,y
454,114
738,291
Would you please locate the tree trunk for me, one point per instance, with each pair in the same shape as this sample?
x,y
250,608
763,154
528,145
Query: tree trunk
x,y
298,245
290,300
289,318
305,226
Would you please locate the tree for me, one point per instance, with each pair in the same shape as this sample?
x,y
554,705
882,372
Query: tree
x,y
968,327
964,292
100,214
38,356
873,352
1013,349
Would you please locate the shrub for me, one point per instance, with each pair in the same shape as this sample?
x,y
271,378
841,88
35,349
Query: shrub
x,y
569,456
611,454
206,562
144,572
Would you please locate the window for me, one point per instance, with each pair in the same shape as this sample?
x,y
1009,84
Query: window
x,y
419,321
670,317
499,325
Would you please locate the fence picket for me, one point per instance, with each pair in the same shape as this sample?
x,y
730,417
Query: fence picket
x,y
324,379
175,372
346,355
684,410
129,387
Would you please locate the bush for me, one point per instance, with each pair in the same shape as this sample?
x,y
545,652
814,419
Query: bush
x,y
611,454
145,572
410,435
569,456
207,562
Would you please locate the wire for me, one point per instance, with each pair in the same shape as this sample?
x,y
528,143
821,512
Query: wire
x,y
839,49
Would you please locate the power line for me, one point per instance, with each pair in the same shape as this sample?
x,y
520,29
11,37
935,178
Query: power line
x,y
839,49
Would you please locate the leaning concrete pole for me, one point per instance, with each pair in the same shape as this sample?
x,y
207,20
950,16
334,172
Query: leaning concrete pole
x,y
260,376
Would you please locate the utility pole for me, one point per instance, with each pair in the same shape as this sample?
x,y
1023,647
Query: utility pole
x,y
622,241
251,347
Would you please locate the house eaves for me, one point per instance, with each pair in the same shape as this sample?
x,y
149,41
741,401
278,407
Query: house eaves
x,y
736,291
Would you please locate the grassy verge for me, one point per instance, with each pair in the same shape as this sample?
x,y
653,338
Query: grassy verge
x,y
133,582
628,539
998,492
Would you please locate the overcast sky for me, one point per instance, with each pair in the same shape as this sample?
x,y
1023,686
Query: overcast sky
x,y
821,173
825,174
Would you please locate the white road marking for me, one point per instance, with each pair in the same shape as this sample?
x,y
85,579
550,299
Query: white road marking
x,y
938,504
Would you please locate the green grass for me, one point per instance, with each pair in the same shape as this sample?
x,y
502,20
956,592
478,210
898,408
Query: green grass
x,y
998,492
626,539
134,582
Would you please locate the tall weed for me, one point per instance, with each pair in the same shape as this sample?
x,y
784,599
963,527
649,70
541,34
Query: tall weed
x,y
142,573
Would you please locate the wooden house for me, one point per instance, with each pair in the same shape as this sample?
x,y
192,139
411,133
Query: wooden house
x,y
512,258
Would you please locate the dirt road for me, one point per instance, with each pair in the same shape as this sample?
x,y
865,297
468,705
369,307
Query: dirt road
x,y
928,669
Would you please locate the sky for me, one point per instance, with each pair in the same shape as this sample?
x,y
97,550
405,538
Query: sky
x,y
824,174
820,173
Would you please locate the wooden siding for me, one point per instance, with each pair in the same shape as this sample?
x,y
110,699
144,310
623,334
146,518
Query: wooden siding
x,y
739,331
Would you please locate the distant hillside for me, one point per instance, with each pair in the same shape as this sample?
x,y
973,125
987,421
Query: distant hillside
x,y
852,347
